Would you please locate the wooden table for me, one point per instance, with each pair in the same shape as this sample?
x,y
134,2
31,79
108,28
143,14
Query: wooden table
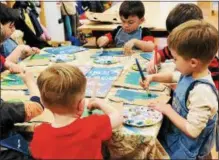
x,y
126,142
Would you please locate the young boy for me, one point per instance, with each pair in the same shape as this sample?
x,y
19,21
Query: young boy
x,y
12,113
9,48
70,137
180,14
7,64
130,34
189,133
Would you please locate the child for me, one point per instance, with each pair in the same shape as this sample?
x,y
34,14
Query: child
x,y
189,133
12,113
70,137
180,14
9,48
130,34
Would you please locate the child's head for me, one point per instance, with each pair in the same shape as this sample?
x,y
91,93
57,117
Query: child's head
x,y
7,18
132,15
183,13
62,88
193,45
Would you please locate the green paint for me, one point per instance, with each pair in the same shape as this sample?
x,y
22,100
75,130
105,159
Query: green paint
x,y
40,56
86,112
134,95
14,100
13,80
133,78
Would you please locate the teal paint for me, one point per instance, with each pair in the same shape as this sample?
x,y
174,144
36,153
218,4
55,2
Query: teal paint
x,y
133,95
134,78
12,81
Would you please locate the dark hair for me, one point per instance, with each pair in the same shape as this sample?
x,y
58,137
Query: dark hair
x,y
194,39
8,14
182,13
132,8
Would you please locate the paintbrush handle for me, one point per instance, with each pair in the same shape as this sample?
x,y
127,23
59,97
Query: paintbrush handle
x,y
140,70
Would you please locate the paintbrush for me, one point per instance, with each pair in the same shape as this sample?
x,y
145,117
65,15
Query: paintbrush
x,y
142,75
31,57
155,59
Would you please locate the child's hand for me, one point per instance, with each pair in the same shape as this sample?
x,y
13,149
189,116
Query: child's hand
x,y
128,47
151,67
95,104
13,67
35,50
102,41
161,107
145,84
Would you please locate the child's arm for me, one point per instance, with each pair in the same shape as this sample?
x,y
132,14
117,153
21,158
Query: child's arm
x,y
161,57
28,79
160,77
174,117
103,41
116,118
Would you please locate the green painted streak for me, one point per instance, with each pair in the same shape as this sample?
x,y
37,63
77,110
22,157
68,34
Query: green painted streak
x,y
40,56
16,80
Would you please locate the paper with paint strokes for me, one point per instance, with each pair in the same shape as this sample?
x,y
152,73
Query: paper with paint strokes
x,y
102,87
65,50
131,80
112,53
12,82
138,97
102,73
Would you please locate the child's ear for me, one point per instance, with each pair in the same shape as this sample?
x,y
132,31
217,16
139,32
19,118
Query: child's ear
x,y
80,107
194,62
142,19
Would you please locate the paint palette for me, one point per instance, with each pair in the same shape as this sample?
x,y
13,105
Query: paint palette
x,y
65,50
105,60
140,116
105,53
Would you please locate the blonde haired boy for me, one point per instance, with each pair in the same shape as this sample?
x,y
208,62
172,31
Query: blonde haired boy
x,y
189,130
62,89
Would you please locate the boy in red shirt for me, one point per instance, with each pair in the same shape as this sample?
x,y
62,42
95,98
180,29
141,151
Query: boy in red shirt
x,y
180,14
69,136
130,34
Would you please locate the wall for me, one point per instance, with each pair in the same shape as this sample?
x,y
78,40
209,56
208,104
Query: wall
x,y
52,15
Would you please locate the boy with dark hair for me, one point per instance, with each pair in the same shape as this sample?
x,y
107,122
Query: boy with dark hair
x,y
8,47
180,14
130,34
189,131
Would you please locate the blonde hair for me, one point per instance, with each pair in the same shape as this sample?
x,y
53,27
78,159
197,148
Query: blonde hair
x,y
194,39
60,84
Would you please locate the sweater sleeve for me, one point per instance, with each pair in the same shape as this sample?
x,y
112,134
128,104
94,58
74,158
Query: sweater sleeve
x,y
111,35
165,54
2,63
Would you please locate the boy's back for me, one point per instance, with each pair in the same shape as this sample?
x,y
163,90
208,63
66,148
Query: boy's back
x,y
78,140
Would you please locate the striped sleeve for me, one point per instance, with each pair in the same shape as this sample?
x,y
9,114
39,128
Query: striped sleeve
x,y
214,69
165,54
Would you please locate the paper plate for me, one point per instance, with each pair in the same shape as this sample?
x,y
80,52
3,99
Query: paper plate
x,y
105,60
140,116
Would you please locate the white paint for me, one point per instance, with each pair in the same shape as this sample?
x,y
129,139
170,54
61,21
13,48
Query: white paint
x,y
52,15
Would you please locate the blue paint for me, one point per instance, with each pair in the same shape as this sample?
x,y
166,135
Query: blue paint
x,y
65,50
133,78
104,73
147,55
108,53
133,129
133,95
